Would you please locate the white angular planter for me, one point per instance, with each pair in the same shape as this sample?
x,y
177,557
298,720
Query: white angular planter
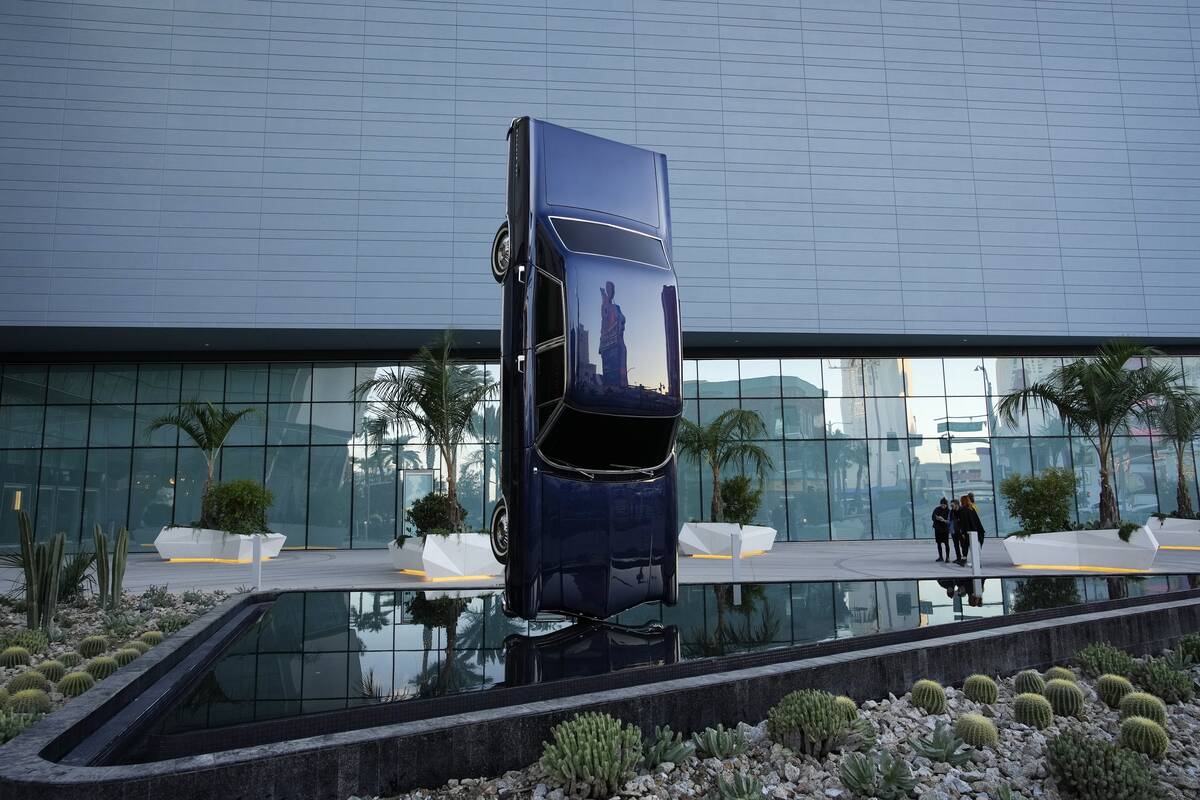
x,y
179,544
1082,549
407,557
1176,534
459,555
716,539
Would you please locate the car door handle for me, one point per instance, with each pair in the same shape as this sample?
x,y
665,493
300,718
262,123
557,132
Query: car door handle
x,y
521,364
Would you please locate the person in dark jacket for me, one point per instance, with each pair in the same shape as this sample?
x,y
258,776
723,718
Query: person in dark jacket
x,y
968,521
952,526
941,529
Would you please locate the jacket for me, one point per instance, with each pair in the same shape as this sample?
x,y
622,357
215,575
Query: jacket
x,y
968,520
941,517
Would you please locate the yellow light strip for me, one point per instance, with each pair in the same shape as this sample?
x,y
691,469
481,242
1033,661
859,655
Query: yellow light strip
x,y
746,554
1178,547
212,560
420,573
1072,568
462,578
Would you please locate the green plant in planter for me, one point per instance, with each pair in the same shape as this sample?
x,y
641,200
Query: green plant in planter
x,y
239,507
977,730
1164,681
981,689
125,656
11,724
1143,735
1141,704
741,498
885,776
1126,529
592,755
1112,689
665,746
739,787
14,657
70,659
42,565
1090,769
929,696
35,641
807,721
719,743
74,684
110,573
847,707
1060,674
1176,419
433,514
136,644
29,701
1102,658
1066,698
726,442
52,669
1190,646
152,638
1040,503
1029,682
92,646
101,667
1033,710
29,679
943,745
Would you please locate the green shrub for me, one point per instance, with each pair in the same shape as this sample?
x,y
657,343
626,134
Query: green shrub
x,y
29,679
152,638
807,721
1041,503
885,777
981,689
929,696
101,667
719,743
92,646
977,731
14,657
1066,698
1141,704
1127,529
29,701
12,724
1033,710
1060,674
125,655
846,707
1089,769
432,514
740,499
71,659
592,755
1164,681
239,507
1111,688
665,746
53,670
74,684
739,787
136,644
1102,658
1190,646
943,745
1029,682
1143,735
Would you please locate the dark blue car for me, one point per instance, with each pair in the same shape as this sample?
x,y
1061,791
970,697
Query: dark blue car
x,y
590,380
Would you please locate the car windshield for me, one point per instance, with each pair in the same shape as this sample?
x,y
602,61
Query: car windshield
x,y
595,238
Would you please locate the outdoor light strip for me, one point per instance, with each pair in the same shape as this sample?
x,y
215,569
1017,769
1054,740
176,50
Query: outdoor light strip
x,y
213,560
746,554
1178,547
1080,568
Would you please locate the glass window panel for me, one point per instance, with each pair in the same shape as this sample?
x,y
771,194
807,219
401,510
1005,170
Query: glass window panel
x,y
711,409
891,492
718,378
967,417
292,383
470,486
804,418
21,426
324,678
23,384
288,423
926,416
964,376
69,383
189,483
152,494
842,377
923,377
812,612
846,416
332,382
760,377
801,377
773,511
1133,477
106,491
242,463
66,426
1000,426
287,478
884,377
930,466
202,382
690,380
1087,473
1166,468
246,383
332,423
143,417
850,507
491,454
1003,375
18,485
158,383
1191,371
251,429
856,607
60,494
491,421
112,426
1039,368
414,484
972,474
688,492
329,483
886,418
807,492
771,411
1009,457
115,383
1049,452
899,605
1045,422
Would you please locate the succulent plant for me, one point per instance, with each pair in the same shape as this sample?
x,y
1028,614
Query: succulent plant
x,y
32,639
1190,646
977,731
1164,681
92,646
1033,710
14,656
943,745
592,755
719,743
12,724
665,746
1090,769
74,684
1143,735
1060,674
1102,658
859,736
981,689
29,701
1066,698
929,696
3,697
739,787
885,777
1111,688
807,721
1029,682
847,707
53,670
126,655
136,644
1141,704
101,667
29,679
152,638
71,659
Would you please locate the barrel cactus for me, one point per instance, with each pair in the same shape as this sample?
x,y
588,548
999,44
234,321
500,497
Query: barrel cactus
x,y
1060,674
846,707
1112,688
981,689
592,754
125,655
101,667
92,646
929,696
976,730
1143,736
807,721
29,701
152,638
53,670
74,684
1142,704
29,679
71,659
14,657
136,644
1033,710
1029,682
1066,698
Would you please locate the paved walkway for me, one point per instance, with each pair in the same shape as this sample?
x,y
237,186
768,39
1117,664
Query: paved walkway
x,y
789,561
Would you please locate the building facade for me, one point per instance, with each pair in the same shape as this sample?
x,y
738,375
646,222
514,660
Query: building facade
x,y
885,214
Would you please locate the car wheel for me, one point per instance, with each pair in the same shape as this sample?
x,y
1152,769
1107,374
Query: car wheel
x,y
500,253
500,532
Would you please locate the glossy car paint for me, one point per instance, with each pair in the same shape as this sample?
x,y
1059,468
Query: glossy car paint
x,y
596,539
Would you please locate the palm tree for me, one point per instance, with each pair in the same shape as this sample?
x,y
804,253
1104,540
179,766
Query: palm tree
x,y
724,441
435,396
1177,420
1099,396
208,426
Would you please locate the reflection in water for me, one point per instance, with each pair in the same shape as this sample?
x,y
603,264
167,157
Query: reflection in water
x,y
614,356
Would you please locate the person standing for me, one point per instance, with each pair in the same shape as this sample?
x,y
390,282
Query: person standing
x,y
941,529
975,508
952,531
968,520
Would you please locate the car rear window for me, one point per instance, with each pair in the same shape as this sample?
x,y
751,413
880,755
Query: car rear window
x,y
606,240
604,442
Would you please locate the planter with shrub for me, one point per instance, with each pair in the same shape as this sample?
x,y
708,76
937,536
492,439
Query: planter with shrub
x,y
740,500
436,550
236,513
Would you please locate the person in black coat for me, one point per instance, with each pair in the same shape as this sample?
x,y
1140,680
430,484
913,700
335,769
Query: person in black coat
x,y
968,520
941,529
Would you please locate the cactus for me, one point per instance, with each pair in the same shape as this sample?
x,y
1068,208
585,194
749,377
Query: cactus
x,y
1033,710
1190,646
977,731
1060,674
53,670
885,777
981,689
74,684
719,743
14,657
125,655
1028,682
42,563
1159,678
110,574
3,697
92,646
807,721
101,667
1143,735
29,701
12,724
739,787
35,641
1102,658
71,659
846,707
1140,704
136,644
1066,698
1089,769
666,746
943,745
929,696
152,638
592,754
1111,688
858,737
29,679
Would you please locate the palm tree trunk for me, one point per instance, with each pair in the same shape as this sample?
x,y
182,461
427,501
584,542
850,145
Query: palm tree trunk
x,y
1109,514
718,509
208,482
1183,498
450,460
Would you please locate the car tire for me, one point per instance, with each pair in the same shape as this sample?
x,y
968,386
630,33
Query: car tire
x,y
499,532
500,253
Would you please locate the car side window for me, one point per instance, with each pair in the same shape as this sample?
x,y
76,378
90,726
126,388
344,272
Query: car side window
x,y
581,236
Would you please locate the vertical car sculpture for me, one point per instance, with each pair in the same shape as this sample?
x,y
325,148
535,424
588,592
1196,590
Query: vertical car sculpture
x,y
586,524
